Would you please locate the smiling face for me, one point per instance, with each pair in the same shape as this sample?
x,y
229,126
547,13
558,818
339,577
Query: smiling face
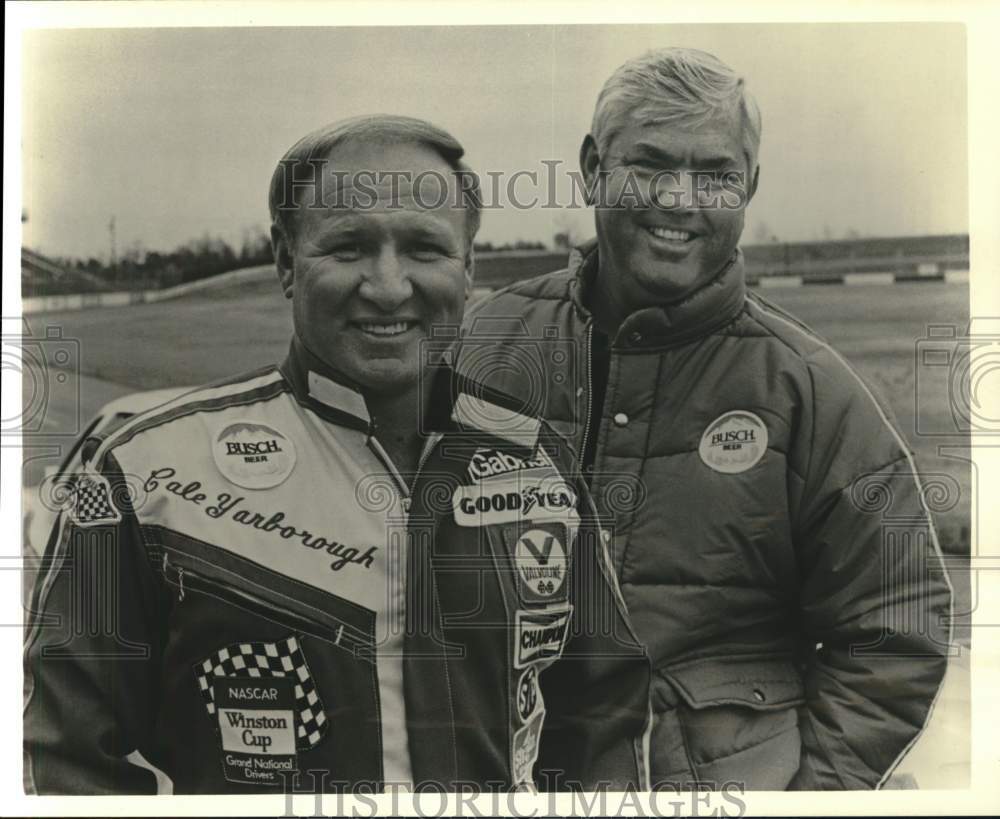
x,y
368,283
658,242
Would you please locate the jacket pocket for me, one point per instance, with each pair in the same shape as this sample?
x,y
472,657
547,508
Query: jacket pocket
x,y
729,720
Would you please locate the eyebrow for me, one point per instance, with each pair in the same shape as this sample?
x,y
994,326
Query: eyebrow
x,y
711,161
351,224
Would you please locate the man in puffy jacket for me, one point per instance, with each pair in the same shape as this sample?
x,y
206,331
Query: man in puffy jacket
x,y
766,516
354,569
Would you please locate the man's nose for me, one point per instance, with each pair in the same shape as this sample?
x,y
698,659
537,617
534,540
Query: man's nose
x,y
387,284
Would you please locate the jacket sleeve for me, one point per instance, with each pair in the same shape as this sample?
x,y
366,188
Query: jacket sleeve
x,y
597,694
874,598
92,648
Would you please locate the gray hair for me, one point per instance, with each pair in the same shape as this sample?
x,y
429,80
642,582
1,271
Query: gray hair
x,y
675,85
375,128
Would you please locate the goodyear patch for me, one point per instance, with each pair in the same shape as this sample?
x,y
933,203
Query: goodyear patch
x,y
508,501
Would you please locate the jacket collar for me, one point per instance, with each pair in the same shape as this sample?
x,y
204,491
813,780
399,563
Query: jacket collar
x,y
320,387
457,403
711,306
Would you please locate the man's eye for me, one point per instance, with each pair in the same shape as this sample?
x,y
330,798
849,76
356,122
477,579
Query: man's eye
x,y
643,165
426,253
346,252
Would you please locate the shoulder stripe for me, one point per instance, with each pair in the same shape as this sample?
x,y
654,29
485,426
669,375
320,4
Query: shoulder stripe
x,y
210,399
920,492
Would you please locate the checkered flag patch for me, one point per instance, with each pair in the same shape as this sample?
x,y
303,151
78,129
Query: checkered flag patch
x,y
92,504
261,660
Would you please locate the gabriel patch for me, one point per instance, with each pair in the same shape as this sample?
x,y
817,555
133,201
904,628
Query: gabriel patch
x,y
733,442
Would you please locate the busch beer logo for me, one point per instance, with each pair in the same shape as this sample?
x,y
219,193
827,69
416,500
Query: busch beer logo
x,y
540,635
253,455
491,463
503,502
733,442
541,565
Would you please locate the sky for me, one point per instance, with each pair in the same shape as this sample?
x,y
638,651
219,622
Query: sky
x,y
175,132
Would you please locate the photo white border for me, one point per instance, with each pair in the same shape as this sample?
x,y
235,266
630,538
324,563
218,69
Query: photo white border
x,y
982,22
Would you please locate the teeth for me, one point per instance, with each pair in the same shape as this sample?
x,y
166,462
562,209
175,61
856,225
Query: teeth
x,y
386,329
672,235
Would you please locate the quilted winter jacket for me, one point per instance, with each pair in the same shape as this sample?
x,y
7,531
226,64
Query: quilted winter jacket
x,y
766,523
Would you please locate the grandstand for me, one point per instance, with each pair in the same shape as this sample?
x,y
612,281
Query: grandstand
x,y
40,276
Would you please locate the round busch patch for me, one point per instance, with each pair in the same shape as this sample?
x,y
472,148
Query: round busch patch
x,y
733,442
253,455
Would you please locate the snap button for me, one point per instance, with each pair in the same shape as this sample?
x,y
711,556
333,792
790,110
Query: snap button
x,y
759,695
621,419
635,338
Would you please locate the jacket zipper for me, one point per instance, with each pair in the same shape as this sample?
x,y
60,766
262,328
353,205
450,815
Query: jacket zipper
x,y
401,487
185,579
590,391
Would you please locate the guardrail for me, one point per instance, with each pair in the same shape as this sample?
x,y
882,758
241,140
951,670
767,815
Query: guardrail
x,y
120,298
952,269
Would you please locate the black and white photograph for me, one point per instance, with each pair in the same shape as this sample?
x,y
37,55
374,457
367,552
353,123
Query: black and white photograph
x,y
579,416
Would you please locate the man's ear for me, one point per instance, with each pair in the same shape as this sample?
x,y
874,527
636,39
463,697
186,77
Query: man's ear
x,y
470,269
281,247
753,184
590,166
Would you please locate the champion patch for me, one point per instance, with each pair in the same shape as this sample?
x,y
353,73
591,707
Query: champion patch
x,y
92,502
733,442
540,559
540,635
253,455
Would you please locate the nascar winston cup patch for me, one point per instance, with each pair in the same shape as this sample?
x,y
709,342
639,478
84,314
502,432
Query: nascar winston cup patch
x,y
266,706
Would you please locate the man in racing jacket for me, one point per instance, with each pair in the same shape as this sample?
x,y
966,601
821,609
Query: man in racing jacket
x,y
769,526
247,592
